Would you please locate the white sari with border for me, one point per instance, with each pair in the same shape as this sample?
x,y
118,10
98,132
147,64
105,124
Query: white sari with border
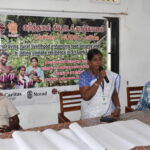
x,y
101,103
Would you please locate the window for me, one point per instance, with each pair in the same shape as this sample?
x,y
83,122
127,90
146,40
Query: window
x,y
113,47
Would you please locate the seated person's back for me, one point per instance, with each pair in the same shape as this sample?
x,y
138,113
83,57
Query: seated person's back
x,y
144,101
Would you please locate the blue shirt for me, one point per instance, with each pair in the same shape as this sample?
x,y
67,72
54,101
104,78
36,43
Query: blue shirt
x,y
85,78
145,98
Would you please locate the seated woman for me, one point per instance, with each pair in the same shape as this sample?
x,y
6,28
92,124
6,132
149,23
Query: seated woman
x,y
8,115
23,80
100,97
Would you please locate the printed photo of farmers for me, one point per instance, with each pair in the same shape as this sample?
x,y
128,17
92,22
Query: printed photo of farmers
x,y
46,51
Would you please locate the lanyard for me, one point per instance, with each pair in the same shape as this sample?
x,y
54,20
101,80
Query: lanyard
x,y
102,86
103,96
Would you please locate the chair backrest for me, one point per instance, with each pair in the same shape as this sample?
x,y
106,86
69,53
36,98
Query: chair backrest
x,y
70,101
133,95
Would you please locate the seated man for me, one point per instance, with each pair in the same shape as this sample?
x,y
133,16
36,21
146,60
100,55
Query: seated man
x,y
144,101
8,115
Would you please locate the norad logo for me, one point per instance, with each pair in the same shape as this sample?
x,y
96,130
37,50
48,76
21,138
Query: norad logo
x,y
40,93
30,94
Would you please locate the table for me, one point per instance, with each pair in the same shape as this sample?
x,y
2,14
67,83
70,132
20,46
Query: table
x,y
143,116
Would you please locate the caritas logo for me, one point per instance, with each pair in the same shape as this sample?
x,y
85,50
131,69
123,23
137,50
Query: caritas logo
x,y
2,27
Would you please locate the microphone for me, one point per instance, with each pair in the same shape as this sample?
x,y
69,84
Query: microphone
x,y
106,78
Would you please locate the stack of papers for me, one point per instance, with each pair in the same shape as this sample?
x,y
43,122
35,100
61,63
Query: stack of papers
x,y
121,135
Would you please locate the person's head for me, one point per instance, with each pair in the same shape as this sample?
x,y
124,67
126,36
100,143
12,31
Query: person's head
x,y
4,58
34,61
22,70
94,57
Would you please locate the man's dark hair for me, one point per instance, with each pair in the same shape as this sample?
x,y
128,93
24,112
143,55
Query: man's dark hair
x,y
91,53
4,53
33,58
19,68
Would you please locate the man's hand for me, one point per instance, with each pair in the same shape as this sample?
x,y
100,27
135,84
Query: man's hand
x,y
4,128
102,74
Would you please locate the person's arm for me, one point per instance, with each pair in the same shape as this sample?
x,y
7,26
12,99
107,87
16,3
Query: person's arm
x,y
41,75
13,115
13,122
116,102
29,71
36,79
88,92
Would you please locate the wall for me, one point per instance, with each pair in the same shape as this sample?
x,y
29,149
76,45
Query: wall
x,y
134,45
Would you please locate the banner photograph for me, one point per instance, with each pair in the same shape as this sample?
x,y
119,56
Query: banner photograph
x,y
39,52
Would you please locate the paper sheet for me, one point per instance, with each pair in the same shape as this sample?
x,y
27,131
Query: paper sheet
x,y
132,130
60,141
32,140
8,144
73,137
121,135
85,137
